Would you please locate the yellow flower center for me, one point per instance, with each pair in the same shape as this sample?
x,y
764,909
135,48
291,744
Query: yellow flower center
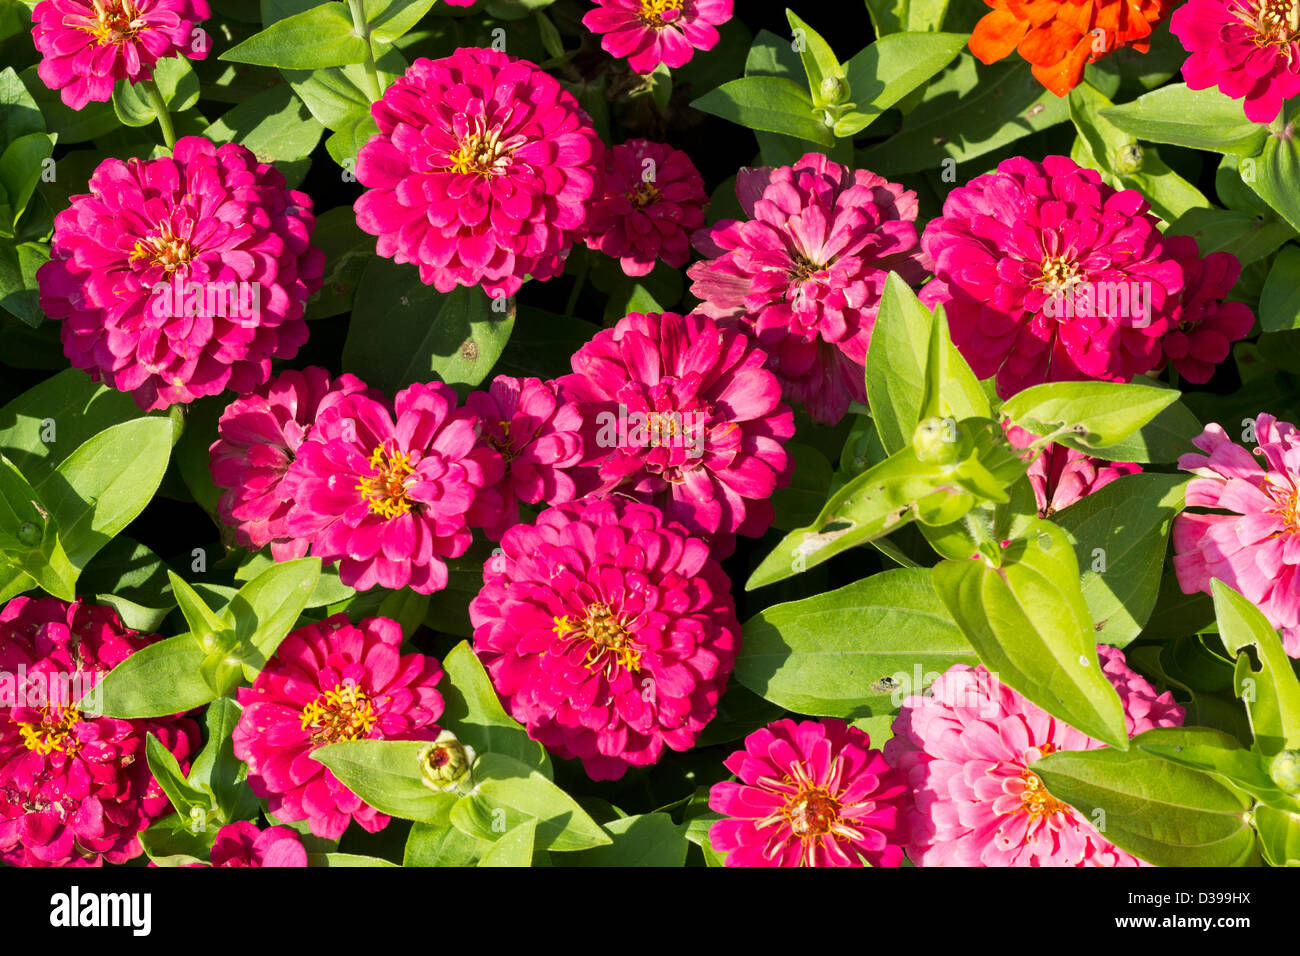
x,y
1274,21
54,732
643,195
165,250
483,153
116,22
1287,497
385,490
1035,800
343,713
652,11
611,642
812,813
1059,275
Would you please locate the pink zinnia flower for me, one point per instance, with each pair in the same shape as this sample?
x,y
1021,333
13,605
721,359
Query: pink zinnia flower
x,y
1048,274
654,199
391,492
1255,547
807,269
965,747
681,412
481,173
1202,327
539,438
258,438
811,793
327,683
209,231
651,32
1061,476
1247,48
88,45
608,632
243,844
75,789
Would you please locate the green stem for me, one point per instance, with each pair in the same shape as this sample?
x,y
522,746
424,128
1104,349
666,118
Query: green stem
x,y
160,109
362,29
578,284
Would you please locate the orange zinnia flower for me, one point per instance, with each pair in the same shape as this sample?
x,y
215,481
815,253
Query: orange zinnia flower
x,y
1061,37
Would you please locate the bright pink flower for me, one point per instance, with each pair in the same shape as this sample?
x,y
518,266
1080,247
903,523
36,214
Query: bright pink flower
x,y
1061,476
608,632
538,436
810,794
1202,327
1255,547
178,278
1247,48
1048,274
243,844
88,45
806,271
391,492
651,32
681,413
654,200
258,438
481,173
330,682
75,789
965,747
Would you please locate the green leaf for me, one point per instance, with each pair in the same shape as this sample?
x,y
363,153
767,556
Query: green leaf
x,y
129,577
1163,439
1277,172
890,69
1203,748
205,624
162,764
1200,119
403,331
893,16
1119,536
71,126
177,83
1279,835
443,845
819,60
386,774
1246,235
770,103
1271,692
19,293
346,860
276,126
217,770
320,37
267,607
390,19
1030,625
1163,813
19,114
29,537
473,712
1086,415
1279,302
853,651
521,793
21,165
650,839
159,680
515,848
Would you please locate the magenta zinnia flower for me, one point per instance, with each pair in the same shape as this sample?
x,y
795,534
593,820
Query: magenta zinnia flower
x,y
88,45
481,173
243,844
680,412
810,794
807,269
608,632
1254,547
1048,274
651,32
1202,327
327,683
539,438
258,438
75,789
391,492
178,278
654,199
1061,476
965,747
1249,49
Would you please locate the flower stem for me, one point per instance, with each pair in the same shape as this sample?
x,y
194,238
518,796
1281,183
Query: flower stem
x,y
578,285
362,29
164,115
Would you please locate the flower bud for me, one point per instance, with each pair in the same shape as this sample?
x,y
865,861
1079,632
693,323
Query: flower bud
x,y
1129,159
29,533
937,441
1285,771
445,764
834,90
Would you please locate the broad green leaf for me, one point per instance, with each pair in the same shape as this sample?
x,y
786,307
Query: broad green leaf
x,y
130,578
515,848
1246,235
651,839
1030,625
819,61
1159,811
1277,170
1200,119
432,844
320,37
890,69
348,860
472,710
1271,693
19,113
177,83
1279,302
156,681
858,650
29,536
769,103
348,251
177,841
267,607
205,624
1279,835
71,126
1086,415
894,16
1204,748
276,126
897,364
19,293
1163,439
21,165
217,770
386,774
184,797
389,19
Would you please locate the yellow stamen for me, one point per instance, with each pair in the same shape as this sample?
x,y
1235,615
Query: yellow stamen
x,y
116,22
54,732
611,642
343,713
643,195
652,11
1035,800
385,490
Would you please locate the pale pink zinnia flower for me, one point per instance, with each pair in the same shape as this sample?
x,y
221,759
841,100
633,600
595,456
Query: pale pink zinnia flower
x,y
965,747
244,844
327,683
392,492
1255,546
481,172
75,789
1249,49
1048,274
181,277
806,272
654,200
1202,327
607,631
811,793
258,438
651,32
680,412
88,45
1061,476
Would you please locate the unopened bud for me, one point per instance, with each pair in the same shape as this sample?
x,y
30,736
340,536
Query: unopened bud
x,y
445,764
1285,771
936,441
1129,159
834,89
29,533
